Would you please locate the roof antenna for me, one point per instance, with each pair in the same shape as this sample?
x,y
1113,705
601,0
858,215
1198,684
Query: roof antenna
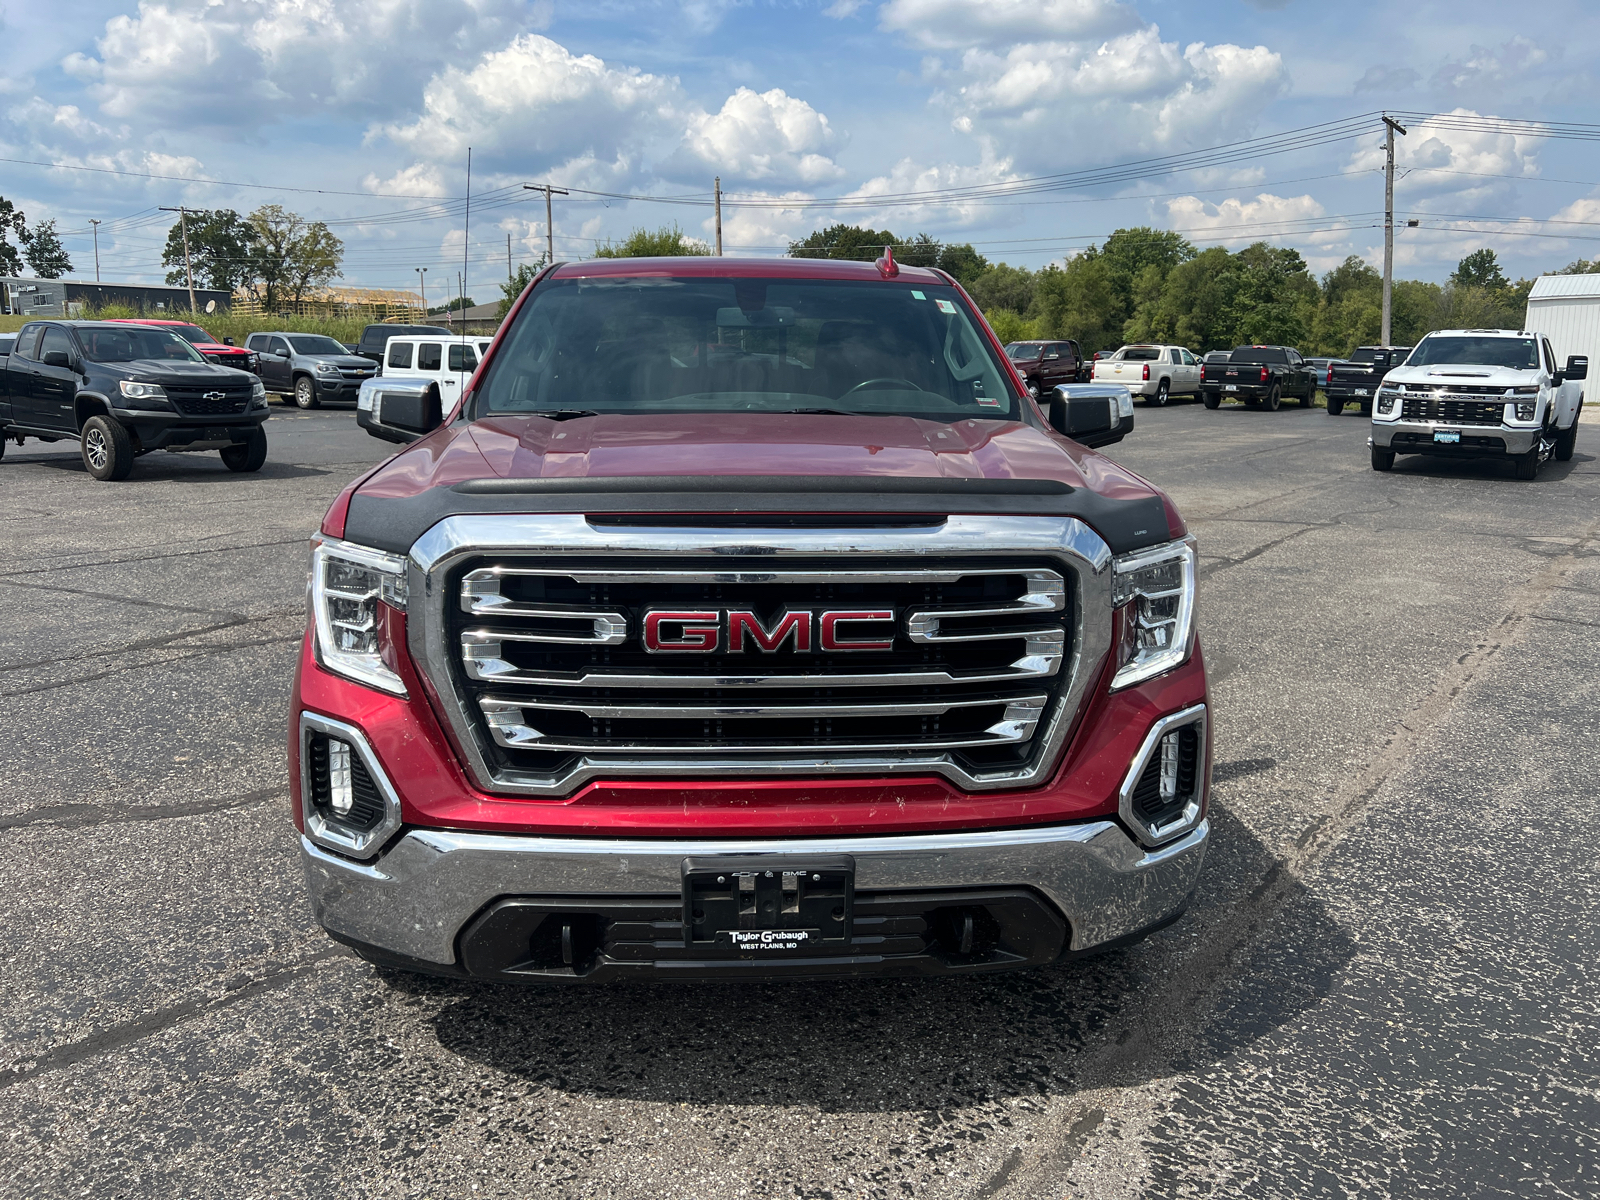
x,y
887,266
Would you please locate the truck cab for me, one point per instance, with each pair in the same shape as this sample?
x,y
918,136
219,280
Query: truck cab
x,y
1355,380
1480,393
446,361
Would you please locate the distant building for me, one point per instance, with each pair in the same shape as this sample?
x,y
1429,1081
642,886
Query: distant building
x,y
76,297
1566,309
480,318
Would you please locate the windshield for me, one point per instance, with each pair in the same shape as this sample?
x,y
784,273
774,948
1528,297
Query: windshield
x,y
131,344
630,345
1369,356
1024,351
316,345
1139,354
194,334
1520,354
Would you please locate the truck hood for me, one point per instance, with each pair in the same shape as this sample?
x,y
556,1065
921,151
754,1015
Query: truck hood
x,y
1462,375
843,463
353,361
162,370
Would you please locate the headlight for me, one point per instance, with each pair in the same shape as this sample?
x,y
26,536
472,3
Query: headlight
x,y
134,390
327,369
1125,404
1522,410
349,583
1157,588
258,394
1387,398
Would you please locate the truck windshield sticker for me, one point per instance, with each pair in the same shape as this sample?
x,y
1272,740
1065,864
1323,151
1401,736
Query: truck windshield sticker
x,y
915,295
945,306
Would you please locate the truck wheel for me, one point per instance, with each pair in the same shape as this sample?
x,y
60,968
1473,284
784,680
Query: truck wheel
x,y
1159,400
107,449
1366,408
249,456
1567,442
1382,460
305,393
1274,399
1335,407
1211,399
1528,464
1309,400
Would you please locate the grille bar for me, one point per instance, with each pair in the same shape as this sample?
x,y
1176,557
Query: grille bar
x,y
1452,411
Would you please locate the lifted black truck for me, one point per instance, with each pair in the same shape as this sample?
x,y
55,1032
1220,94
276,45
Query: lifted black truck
x,y
120,391
1355,380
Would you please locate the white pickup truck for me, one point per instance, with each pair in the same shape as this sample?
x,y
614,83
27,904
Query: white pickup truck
x,y
1154,372
1477,393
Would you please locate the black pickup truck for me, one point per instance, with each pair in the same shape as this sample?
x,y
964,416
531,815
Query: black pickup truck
x,y
120,391
1265,376
1355,380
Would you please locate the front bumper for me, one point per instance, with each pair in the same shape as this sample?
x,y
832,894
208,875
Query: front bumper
x,y
413,904
176,431
330,387
1477,441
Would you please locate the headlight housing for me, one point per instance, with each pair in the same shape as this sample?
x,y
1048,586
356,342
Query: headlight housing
x,y
1524,406
1156,589
258,394
154,395
348,584
327,369
1388,398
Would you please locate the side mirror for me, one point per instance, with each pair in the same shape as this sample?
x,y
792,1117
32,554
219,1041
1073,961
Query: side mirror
x,y
399,410
227,341
57,358
1092,414
1577,367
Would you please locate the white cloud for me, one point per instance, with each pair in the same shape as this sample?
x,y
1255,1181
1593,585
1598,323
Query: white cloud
x,y
1239,222
1440,166
765,230
764,137
908,177
420,179
245,63
1487,70
839,10
959,24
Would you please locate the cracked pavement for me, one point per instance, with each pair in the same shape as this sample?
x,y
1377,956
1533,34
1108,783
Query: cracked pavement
x,y
1386,985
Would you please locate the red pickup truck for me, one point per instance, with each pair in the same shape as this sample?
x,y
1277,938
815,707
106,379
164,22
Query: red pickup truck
x,y
224,353
747,618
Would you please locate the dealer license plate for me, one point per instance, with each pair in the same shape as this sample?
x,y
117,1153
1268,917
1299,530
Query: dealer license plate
x,y
1230,387
768,905
1359,391
1448,437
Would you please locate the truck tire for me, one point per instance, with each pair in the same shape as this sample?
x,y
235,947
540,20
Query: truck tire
x,y
1335,407
1211,399
107,449
1366,408
305,393
1567,439
1382,460
1274,400
1309,400
1159,400
1528,464
250,456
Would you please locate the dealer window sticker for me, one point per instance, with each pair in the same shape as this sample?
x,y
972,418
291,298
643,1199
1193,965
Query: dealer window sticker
x,y
945,306
915,295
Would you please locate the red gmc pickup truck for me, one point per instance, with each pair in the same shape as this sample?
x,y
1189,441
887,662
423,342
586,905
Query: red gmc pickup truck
x,y
747,618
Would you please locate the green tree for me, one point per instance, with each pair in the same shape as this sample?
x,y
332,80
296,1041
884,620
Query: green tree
x,y
1195,306
1582,266
1130,252
1003,286
454,303
1079,301
964,263
290,256
221,249
11,221
666,242
1480,269
515,286
1276,298
1012,326
1416,311
844,241
45,253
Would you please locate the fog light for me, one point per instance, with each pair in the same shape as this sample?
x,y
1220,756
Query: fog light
x,y
341,792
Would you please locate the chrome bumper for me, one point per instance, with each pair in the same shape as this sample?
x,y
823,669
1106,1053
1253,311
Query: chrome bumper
x,y
417,897
1518,441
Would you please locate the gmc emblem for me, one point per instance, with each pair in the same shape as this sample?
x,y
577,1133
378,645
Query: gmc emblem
x,y
701,632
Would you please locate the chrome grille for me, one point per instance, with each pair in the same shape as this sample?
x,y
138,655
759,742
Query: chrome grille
x,y
540,662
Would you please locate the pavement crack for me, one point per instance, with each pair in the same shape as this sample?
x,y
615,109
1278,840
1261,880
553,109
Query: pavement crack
x,y
155,643
115,1037
144,558
1208,569
80,816
196,652
183,608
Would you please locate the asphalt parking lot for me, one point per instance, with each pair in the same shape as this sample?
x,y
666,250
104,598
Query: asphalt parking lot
x,y
1387,984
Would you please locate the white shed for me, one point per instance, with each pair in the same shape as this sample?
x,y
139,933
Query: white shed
x,y
1566,309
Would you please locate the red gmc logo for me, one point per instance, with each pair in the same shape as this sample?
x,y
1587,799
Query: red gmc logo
x,y
701,632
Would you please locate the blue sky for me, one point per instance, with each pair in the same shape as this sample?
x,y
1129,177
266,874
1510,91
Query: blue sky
x,y
369,108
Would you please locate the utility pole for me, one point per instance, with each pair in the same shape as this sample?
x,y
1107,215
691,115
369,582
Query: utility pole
x,y
510,274
465,244
1390,125
183,220
716,187
422,286
96,225
549,231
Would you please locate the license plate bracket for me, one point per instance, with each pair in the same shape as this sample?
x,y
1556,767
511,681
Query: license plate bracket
x,y
1230,387
768,905
1447,437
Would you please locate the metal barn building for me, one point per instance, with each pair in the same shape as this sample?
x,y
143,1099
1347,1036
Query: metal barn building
x,y
1566,309
73,297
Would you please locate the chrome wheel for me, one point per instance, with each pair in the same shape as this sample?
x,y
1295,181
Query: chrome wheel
x,y
94,449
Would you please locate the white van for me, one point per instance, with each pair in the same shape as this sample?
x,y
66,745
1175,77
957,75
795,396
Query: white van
x,y
450,362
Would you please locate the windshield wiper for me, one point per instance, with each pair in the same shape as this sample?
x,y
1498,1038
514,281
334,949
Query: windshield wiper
x,y
827,412
564,414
